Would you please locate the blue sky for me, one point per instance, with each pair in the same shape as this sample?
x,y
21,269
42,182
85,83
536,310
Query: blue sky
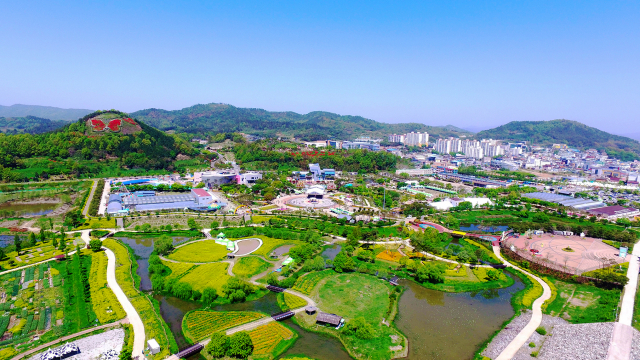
x,y
467,63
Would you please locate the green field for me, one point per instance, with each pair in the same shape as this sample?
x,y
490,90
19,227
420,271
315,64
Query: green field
x,y
579,303
247,266
200,252
355,296
200,324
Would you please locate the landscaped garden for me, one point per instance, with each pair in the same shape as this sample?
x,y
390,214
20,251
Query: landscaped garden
x,y
200,252
200,324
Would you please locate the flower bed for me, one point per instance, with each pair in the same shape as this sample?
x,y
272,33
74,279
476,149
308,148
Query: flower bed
x,y
98,125
114,125
389,255
305,284
130,121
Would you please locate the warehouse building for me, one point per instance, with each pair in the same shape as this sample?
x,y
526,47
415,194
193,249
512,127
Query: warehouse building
x,y
197,199
568,201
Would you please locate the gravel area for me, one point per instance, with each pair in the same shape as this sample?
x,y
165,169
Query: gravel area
x,y
92,346
505,336
578,342
635,345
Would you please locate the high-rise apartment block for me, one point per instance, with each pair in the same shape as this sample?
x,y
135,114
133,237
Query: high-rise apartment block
x,y
411,139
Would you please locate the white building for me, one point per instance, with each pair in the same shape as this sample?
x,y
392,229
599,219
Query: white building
x,y
416,139
395,138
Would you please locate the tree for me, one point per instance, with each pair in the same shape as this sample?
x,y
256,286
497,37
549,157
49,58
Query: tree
x,y
17,243
1,254
359,328
32,239
182,290
125,354
209,295
343,263
214,224
54,242
240,345
431,272
192,224
164,245
95,245
218,345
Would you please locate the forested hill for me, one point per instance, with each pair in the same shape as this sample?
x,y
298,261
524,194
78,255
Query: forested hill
x,y
572,133
29,125
46,112
84,146
215,118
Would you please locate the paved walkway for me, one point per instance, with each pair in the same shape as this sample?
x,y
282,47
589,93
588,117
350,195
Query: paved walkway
x,y
86,206
510,351
620,346
69,337
104,197
132,314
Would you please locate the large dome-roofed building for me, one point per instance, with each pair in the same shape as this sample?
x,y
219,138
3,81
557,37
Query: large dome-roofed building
x,y
316,191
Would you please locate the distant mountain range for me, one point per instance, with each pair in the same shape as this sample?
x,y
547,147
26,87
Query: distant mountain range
x,y
29,124
214,118
46,112
571,133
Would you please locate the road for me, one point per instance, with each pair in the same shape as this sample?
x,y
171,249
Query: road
x,y
510,351
68,337
85,211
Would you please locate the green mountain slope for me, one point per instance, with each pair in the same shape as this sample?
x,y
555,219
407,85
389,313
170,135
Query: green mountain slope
x,y
215,118
29,125
47,112
88,146
568,132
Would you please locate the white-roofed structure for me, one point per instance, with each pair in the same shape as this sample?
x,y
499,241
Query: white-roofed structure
x,y
576,203
316,191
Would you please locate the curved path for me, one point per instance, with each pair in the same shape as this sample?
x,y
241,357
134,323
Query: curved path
x,y
510,351
91,194
132,314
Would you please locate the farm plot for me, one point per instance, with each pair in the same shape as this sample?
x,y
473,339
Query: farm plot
x,y
199,324
305,284
389,255
271,339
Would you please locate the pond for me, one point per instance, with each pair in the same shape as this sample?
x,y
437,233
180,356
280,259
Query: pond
x,y
6,240
28,209
443,325
143,247
484,228
330,252
281,250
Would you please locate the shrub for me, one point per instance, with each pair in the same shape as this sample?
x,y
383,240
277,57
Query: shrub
x,y
541,330
240,345
218,346
532,345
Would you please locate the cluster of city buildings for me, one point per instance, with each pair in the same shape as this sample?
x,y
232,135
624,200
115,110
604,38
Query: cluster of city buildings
x,y
411,139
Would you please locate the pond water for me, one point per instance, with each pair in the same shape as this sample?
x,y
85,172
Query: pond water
x,y
451,325
28,209
484,228
330,252
281,250
6,240
143,247
315,346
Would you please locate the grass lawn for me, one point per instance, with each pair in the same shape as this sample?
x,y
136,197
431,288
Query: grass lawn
x,y
579,303
200,252
247,266
352,296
